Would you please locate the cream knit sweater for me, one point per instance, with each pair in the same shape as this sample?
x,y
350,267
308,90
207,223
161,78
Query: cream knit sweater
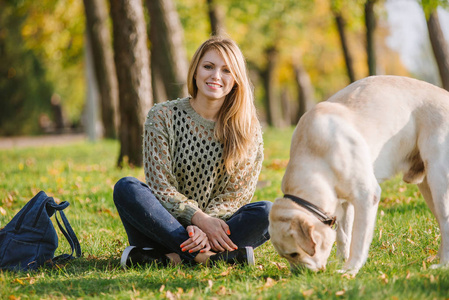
x,y
184,166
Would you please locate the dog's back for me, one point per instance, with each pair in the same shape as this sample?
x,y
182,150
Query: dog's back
x,y
367,114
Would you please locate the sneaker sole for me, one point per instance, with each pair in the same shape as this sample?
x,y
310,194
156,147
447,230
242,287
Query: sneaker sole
x,y
250,256
125,255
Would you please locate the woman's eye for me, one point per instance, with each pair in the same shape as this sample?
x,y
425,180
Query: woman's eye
x,y
208,67
227,71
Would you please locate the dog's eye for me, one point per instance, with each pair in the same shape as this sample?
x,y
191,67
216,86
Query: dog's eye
x,y
294,254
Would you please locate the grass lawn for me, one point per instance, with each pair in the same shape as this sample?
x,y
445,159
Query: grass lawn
x,y
405,241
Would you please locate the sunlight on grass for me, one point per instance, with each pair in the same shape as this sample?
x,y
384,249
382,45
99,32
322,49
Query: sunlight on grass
x,y
405,241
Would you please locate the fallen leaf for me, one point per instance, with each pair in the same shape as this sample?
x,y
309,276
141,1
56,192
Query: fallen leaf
x,y
411,242
279,265
17,280
348,276
270,282
221,290
308,293
161,289
225,273
384,278
169,295
340,293
431,258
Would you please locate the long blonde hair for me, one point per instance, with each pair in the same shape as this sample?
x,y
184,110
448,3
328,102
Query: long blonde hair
x,y
237,120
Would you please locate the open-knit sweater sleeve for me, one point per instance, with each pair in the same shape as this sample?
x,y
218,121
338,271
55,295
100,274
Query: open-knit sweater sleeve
x,y
184,166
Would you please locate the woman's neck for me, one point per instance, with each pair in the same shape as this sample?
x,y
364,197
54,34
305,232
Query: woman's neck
x,y
208,109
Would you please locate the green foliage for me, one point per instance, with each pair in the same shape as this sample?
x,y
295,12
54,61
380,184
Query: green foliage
x,y
405,242
24,90
430,6
44,50
41,45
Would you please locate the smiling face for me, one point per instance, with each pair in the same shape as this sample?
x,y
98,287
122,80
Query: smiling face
x,y
213,77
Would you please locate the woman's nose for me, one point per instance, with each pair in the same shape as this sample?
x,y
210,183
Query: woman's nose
x,y
216,75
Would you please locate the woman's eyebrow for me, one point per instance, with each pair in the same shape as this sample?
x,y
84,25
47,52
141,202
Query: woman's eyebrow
x,y
209,62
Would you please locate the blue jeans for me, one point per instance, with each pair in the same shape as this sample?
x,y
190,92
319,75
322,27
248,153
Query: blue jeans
x,y
149,224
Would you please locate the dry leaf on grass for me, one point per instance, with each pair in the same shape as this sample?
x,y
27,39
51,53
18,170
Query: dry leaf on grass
x,y
270,282
221,290
308,293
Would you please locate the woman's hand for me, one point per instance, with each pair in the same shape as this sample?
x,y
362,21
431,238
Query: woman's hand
x,y
217,231
197,240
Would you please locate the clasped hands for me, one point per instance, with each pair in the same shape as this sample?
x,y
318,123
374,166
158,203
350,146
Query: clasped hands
x,y
207,233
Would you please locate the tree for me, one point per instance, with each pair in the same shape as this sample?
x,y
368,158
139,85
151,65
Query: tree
x,y
100,41
439,46
268,78
216,17
370,23
305,89
168,55
341,22
25,92
131,57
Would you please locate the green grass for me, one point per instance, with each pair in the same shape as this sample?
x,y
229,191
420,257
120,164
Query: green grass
x,y
405,242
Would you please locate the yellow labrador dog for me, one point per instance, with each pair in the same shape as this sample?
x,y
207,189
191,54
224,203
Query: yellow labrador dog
x,y
342,149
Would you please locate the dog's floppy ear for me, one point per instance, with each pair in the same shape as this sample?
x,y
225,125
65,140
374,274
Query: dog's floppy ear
x,y
303,229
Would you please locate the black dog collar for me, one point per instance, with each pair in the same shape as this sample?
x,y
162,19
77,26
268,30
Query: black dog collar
x,y
321,215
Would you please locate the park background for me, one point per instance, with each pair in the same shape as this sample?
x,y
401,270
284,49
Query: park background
x,y
98,66
65,70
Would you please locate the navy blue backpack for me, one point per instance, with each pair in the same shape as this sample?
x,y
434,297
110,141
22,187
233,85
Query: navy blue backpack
x,y
30,240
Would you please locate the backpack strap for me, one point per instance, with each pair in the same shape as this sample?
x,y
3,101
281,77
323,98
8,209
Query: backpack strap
x,y
67,232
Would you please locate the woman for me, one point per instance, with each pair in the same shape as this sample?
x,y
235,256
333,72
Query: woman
x,y
202,158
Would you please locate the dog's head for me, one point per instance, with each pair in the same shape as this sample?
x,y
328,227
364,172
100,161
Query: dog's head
x,y
299,236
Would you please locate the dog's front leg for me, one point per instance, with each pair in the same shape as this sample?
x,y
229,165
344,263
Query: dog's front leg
x,y
365,211
344,230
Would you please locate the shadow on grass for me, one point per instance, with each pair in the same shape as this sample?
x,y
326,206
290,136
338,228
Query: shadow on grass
x,y
105,277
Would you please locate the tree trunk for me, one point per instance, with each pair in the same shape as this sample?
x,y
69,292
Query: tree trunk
x,y
133,74
305,90
216,17
339,20
168,55
440,47
287,109
100,40
370,23
268,79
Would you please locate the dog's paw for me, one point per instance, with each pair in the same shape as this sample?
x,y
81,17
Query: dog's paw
x,y
351,272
